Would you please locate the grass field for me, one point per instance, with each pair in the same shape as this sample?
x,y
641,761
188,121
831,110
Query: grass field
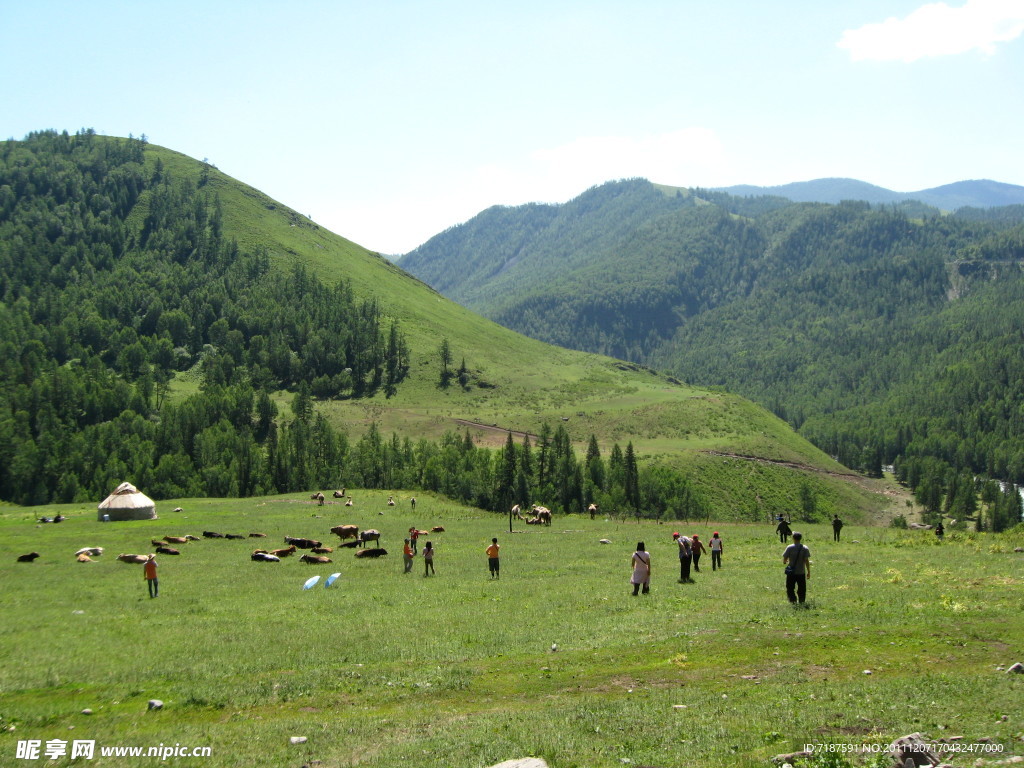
x,y
390,669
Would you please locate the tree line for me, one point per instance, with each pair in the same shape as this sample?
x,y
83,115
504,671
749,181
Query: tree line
x,y
115,277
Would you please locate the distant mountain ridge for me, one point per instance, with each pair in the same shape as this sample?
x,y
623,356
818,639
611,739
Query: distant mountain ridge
x,y
979,193
878,330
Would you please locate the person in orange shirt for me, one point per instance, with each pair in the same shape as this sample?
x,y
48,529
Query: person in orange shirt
x,y
149,573
492,559
408,553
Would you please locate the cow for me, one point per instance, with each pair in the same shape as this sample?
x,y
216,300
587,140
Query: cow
x,y
234,536
28,558
321,550
133,559
315,559
178,509
349,502
437,529
264,557
190,537
158,543
346,531
371,534
257,535
212,535
175,539
283,552
318,498
168,551
351,544
378,552
543,515
84,558
339,494
391,501
303,543
592,509
94,551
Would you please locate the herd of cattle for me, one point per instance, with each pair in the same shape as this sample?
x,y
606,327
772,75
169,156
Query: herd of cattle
x,y
350,536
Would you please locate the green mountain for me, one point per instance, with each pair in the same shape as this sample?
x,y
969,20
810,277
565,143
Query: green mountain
x,y
164,323
882,337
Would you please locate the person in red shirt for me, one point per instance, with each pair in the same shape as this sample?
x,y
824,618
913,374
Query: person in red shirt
x,y
149,573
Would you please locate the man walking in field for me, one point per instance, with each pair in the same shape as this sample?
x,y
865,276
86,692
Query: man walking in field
x,y
797,559
493,566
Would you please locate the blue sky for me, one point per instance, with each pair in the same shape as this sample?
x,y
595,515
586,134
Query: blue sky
x,y
388,122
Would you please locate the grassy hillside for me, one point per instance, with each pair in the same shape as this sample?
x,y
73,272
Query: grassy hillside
x,y
520,383
456,670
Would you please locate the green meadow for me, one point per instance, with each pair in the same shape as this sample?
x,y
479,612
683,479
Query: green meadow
x,y
901,634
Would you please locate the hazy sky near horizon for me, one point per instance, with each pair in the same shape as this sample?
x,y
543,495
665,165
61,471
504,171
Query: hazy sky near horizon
x,y
389,122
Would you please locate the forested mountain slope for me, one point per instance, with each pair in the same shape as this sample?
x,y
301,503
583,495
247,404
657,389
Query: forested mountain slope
x,y
163,323
882,337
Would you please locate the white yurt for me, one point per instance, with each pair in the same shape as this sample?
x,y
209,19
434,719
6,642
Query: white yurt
x,y
127,503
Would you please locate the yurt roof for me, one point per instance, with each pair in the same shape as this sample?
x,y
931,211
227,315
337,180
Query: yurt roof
x,y
126,496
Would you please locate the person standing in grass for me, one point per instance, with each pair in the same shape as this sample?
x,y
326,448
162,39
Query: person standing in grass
x,y
716,551
685,556
149,574
797,559
641,563
428,559
783,530
697,548
837,526
493,565
407,554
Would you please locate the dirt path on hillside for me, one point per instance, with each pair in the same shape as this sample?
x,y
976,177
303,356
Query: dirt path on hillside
x,y
494,428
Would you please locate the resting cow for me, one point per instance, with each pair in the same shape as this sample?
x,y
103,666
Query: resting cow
x,y
315,559
378,552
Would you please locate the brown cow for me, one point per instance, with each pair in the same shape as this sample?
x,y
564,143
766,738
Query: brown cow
x,y
157,542
437,529
84,558
257,535
321,550
168,551
133,559
346,531
318,498
94,551
175,539
283,552
315,559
